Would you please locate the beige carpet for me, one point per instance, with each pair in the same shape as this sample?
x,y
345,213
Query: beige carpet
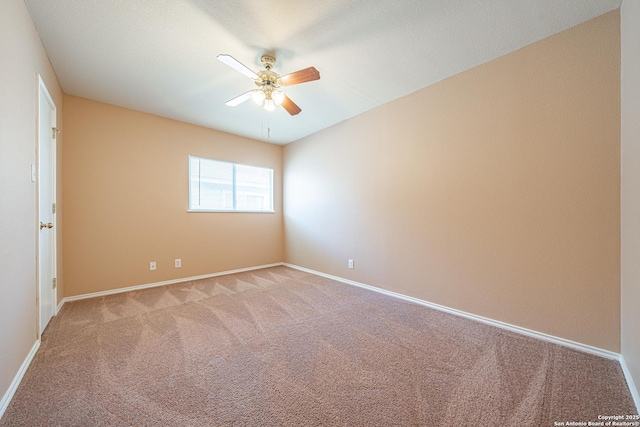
x,y
281,347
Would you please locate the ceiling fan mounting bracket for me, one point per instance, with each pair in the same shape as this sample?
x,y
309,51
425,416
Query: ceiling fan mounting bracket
x,y
267,61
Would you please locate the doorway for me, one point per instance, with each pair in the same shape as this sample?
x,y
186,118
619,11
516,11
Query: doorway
x,y
46,187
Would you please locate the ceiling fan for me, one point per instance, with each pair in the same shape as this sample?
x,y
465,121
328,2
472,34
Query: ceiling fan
x,y
269,93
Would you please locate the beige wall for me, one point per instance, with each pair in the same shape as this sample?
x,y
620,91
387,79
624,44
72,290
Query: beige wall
x,y
126,187
494,192
630,191
22,57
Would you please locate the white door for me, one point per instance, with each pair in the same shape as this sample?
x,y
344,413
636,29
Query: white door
x,y
46,199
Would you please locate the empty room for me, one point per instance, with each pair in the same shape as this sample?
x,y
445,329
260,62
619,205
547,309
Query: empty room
x,y
290,213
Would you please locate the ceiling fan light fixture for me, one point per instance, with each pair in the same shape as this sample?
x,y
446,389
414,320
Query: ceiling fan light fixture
x,y
258,96
278,97
269,105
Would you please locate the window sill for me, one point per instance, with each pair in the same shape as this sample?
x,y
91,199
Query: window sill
x,y
227,211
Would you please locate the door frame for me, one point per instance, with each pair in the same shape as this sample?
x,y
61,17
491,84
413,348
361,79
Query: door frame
x,y
42,89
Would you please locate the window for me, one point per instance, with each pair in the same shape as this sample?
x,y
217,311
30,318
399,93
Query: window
x,y
215,185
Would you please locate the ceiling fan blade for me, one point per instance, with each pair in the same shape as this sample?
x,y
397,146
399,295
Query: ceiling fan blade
x,y
237,65
239,99
290,106
301,76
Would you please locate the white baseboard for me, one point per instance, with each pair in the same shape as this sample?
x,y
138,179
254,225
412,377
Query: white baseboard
x,y
513,328
6,399
632,386
164,283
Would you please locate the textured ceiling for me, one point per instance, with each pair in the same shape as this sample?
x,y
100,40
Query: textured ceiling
x,y
159,56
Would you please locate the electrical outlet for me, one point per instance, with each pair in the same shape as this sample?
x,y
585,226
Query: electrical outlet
x,y
152,265
351,264
177,262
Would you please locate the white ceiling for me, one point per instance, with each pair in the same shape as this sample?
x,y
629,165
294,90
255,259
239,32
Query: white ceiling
x,y
159,56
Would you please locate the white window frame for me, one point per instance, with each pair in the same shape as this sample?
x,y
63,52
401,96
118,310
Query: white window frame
x,y
234,195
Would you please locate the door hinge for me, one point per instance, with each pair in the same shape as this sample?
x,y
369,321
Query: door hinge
x,y
55,283
54,131
53,208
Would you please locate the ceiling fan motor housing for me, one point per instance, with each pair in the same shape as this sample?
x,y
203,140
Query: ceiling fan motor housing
x,y
268,78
